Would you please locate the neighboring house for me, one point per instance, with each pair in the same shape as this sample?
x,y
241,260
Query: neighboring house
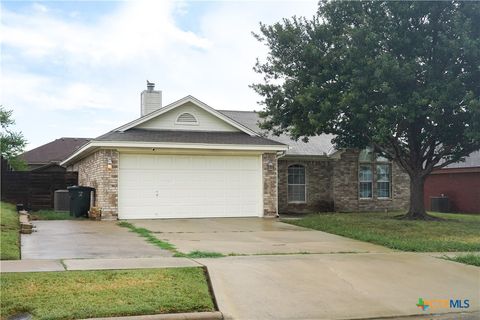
x,y
460,182
48,156
188,160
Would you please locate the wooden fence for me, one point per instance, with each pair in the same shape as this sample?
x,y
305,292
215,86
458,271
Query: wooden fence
x,y
35,190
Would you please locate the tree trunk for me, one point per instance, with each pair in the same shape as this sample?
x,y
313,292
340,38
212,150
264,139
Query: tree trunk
x,y
417,207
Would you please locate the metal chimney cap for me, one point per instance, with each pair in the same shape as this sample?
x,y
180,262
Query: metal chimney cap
x,y
150,86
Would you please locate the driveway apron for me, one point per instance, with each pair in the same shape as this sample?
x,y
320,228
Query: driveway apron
x,y
338,286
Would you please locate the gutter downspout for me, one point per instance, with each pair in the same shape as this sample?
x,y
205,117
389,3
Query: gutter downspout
x,y
280,154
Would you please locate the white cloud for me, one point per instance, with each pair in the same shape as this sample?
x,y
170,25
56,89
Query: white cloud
x,y
39,8
59,67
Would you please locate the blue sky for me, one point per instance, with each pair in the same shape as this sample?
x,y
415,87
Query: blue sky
x,y
76,69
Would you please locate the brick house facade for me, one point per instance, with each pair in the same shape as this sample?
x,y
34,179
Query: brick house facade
x,y
332,184
100,171
189,160
346,185
269,178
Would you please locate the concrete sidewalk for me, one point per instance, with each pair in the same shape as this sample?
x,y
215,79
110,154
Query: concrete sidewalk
x,y
94,264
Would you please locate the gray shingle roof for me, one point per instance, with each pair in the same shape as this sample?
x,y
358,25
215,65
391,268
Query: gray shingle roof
x,y
473,160
55,151
318,145
186,137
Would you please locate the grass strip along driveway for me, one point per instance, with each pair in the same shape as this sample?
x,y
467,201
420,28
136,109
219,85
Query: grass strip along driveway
x,y
85,294
9,232
149,237
470,258
456,232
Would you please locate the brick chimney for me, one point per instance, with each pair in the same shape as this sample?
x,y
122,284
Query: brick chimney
x,y
151,99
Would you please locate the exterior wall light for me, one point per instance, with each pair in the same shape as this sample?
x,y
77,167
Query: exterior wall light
x,y
109,164
270,165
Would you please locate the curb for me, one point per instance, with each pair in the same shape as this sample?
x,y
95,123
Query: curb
x,y
214,315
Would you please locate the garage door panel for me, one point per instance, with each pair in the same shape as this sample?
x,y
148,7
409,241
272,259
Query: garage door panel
x,y
129,161
186,186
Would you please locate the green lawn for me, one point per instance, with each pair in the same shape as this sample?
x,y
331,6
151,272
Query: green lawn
x,y
52,215
473,259
85,294
9,232
457,232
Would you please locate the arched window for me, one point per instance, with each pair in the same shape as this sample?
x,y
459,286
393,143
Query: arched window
x,y
373,170
186,118
296,183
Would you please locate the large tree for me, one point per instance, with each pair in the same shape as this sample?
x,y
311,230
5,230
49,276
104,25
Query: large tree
x,y
12,143
403,77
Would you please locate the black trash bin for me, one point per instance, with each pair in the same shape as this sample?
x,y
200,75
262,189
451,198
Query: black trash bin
x,y
80,198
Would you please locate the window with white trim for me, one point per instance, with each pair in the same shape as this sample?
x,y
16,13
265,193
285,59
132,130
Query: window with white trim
x,y
383,180
186,118
296,183
365,178
370,162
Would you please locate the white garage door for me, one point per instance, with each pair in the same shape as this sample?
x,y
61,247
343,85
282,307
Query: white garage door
x,y
189,186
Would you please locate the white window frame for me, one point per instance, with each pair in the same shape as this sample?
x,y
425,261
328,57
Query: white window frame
x,y
375,160
389,165
367,164
296,184
196,123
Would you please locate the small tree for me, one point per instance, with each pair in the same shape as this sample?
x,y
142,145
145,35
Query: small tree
x,y
12,143
403,77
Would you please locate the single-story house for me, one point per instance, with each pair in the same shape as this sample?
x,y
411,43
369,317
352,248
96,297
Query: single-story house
x,y
48,156
459,182
189,160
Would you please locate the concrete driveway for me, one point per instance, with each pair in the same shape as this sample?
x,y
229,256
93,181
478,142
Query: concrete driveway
x,y
340,286
341,279
250,236
85,239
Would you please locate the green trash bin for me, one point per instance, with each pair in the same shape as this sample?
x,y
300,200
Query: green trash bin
x,y
80,198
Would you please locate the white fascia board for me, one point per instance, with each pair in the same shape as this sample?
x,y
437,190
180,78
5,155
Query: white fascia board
x,y
170,145
180,102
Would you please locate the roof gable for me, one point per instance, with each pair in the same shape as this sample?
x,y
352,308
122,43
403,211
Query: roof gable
x,y
199,117
188,117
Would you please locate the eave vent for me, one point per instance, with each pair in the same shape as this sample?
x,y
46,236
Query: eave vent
x,y
186,118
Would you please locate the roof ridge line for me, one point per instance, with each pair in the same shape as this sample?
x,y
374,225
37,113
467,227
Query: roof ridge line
x,y
252,111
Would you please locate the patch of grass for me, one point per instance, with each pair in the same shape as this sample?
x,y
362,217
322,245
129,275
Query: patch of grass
x,y
456,232
110,293
9,232
52,215
147,234
472,259
200,254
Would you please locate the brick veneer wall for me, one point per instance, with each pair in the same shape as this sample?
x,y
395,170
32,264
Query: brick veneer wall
x,y
93,172
269,184
318,175
345,187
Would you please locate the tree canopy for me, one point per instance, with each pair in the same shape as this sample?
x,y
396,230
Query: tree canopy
x,y
12,143
403,77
